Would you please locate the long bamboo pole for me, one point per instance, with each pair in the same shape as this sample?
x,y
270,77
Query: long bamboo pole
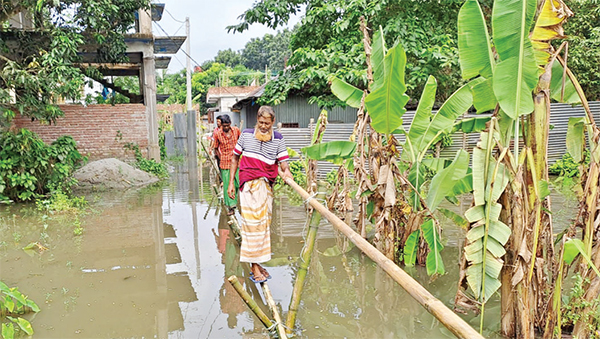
x,y
305,257
451,320
250,302
273,306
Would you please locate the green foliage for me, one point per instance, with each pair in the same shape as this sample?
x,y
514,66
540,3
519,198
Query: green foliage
x,y
567,167
434,262
332,177
574,305
147,165
14,304
29,168
229,57
328,43
333,151
270,51
60,203
583,35
486,240
39,65
386,103
298,172
213,74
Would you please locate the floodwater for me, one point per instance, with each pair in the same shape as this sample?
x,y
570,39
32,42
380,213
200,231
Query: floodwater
x,y
153,263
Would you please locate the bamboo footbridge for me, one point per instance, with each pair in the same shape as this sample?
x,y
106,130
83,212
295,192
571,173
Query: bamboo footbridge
x,y
455,324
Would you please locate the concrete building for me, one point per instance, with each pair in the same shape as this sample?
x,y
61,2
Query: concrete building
x,y
225,98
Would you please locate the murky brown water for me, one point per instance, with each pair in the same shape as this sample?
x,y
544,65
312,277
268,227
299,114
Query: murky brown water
x,y
153,263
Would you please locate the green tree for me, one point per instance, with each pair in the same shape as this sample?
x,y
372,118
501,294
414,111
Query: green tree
x,y
216,74
229,57
327,42
583,35
173,84
270,50
38,65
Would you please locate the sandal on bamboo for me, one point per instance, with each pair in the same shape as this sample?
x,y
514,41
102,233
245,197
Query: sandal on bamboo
x,y
264,272
255,280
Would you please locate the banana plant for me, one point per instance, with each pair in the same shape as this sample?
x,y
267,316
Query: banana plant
x,y
385,106
516,80
488,235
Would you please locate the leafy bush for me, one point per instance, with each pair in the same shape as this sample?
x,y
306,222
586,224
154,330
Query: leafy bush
x,y
29,168
567,167
13,304
297,169
147,165
332,177
575,304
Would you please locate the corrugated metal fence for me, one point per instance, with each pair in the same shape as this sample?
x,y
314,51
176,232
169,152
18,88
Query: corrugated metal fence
x,y
297,138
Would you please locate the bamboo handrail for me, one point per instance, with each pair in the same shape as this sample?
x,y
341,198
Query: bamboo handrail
x,y
451,320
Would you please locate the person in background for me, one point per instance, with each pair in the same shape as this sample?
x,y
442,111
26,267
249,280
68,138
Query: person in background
x,y
224,142
261,150
218,120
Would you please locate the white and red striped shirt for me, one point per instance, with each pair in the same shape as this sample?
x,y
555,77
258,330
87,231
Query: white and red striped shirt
x,y
260,158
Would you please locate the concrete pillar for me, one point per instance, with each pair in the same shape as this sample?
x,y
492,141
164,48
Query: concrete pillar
x,y
148,76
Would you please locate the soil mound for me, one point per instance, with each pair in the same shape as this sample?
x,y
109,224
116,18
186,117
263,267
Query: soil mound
x,y
111,174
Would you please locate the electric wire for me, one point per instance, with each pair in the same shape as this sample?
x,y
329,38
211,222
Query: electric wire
x,y
172,17
171,38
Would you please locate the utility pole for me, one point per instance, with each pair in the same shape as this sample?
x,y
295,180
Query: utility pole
x,y
188,73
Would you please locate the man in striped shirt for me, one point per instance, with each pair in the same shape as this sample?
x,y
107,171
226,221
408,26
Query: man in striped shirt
x,y
261,150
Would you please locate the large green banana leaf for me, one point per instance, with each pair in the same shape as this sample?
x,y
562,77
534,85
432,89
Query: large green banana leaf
x,y
471,125
484,98
425,128
386,104
474,50
576,138
433,262
411,247
488,235
346,92
333,151
511,23
516,75
443,182
422,118
377,58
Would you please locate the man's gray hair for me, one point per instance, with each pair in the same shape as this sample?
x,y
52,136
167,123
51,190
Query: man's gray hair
x,y
266,111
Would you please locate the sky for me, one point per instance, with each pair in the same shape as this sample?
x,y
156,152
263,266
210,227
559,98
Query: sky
x,y
208,22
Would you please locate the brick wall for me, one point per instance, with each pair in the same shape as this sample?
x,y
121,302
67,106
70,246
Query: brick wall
x,y
95,129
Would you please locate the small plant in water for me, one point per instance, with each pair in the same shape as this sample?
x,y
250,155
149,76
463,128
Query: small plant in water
x,y
60,203
14,304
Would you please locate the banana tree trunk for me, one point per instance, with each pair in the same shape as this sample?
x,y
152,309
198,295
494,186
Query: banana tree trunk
x,y
528,275
591,219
